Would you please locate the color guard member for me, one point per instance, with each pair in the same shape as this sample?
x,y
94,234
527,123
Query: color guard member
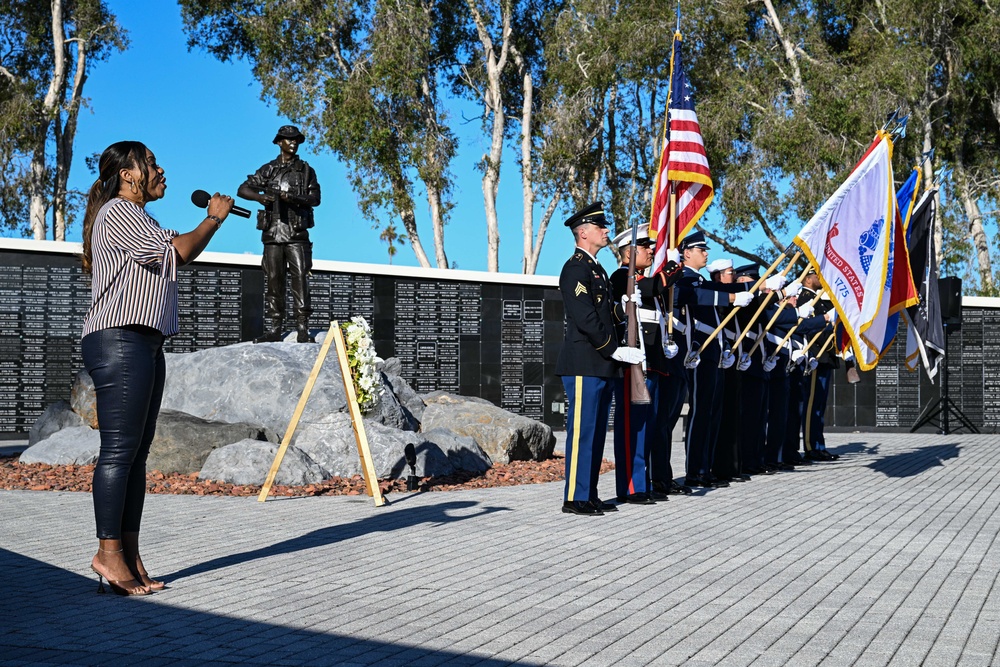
x,y
587,361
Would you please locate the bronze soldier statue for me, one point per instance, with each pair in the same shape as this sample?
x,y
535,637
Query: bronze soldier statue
x,y
288,189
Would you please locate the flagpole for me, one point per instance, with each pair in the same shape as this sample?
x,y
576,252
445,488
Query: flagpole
x,y
813,341
672,206
756,286
763,305
788,335
774,318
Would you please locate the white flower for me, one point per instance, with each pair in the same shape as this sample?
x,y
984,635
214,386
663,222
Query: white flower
x,y
362,358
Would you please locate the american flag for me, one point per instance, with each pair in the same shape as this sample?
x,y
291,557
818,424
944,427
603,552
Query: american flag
x,y
683,161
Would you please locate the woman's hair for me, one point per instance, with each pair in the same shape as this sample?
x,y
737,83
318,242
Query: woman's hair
x,y
117,156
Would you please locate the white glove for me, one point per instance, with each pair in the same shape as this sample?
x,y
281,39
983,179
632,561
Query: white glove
x,y
805,311
727,360
673,255
742,299
744,363
636,299
792,289
692,360
811,365
797,356
831,316
670,349
628,355
770,363
775,283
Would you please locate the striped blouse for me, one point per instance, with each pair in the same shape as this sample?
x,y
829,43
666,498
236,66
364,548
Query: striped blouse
x,y
134,278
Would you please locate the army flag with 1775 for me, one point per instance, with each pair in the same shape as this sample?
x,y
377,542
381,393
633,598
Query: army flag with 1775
x,y
682,162
856,242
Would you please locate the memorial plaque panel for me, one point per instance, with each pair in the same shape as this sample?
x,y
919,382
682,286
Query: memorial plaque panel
x,y
496,340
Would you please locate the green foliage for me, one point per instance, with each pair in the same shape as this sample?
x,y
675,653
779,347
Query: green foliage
x,y
26,71
788,101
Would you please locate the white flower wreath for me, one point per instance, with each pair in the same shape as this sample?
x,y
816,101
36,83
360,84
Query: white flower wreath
x,y
362,358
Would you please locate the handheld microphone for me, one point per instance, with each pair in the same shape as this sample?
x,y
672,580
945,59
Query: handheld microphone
x,y
200,199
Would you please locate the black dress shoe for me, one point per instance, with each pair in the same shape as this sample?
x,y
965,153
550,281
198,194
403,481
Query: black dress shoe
x,y
577,507
740,478
602,506
704,483
680,489
662,487
637,499
833,457
716,482
658,497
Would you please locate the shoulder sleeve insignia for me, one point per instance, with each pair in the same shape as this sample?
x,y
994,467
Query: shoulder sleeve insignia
x,y
580,289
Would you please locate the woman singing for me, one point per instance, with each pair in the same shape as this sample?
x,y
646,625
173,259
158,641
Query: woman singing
x,y
133,262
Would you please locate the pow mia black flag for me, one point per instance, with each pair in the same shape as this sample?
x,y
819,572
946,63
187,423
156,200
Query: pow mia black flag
x,y
924,330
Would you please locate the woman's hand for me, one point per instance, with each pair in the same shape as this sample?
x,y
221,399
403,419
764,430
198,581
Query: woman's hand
x,y
220,205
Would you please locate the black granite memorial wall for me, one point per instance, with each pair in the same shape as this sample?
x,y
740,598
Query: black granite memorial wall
x,y
488,338
475,336
892,397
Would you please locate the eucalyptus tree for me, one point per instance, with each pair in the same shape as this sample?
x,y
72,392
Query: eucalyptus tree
x,y
364,77
46,53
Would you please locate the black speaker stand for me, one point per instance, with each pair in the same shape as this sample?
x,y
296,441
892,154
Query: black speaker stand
x,y
940,409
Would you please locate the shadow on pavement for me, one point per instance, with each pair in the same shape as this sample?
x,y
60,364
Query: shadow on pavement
x,y
855,448
384,522
55,617
908,464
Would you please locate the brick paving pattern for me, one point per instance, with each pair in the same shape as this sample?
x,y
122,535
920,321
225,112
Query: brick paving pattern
x,y
888,556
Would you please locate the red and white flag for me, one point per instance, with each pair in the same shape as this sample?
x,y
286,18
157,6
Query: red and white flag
x,y
682,162
856,242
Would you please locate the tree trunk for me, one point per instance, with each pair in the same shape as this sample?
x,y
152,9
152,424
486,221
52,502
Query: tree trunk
x,y
437,221
543,225
49,113
798,89
404,206
493,100
929,174
980,241
527,181
65,137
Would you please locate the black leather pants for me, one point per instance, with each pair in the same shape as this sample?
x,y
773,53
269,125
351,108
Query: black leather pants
x,y
298,258
128,370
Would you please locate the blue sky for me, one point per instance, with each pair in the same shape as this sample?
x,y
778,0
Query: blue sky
x,y
206,124
208,127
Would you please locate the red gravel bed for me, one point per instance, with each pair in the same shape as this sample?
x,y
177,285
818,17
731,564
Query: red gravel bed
x,y
42,477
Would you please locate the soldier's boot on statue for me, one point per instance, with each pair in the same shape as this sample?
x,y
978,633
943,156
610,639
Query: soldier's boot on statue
x,y
272,335
304,336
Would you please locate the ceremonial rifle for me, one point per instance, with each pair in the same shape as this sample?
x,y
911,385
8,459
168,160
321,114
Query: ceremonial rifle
x,y
788,335
732,311
763,305
774,317
636,373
